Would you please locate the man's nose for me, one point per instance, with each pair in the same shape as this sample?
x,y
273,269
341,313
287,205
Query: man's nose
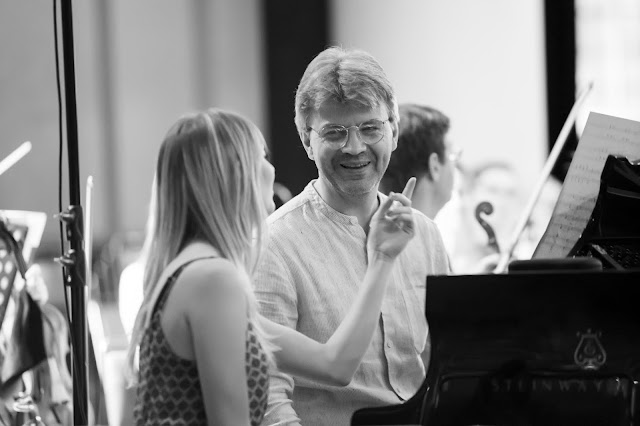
x,y
354,144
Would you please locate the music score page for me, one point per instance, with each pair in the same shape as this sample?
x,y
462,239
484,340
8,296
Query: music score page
x,y
603,135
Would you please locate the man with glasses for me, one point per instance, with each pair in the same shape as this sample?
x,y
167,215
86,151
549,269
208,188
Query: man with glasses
x,y
424,151
316,255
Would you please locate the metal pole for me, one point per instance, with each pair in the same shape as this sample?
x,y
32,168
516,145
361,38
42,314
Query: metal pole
x,y
73,261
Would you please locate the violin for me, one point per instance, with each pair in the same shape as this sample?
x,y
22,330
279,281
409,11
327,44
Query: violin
x,y
486,208
491,251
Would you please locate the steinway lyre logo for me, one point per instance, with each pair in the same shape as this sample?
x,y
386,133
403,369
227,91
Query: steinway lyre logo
x,y
589,354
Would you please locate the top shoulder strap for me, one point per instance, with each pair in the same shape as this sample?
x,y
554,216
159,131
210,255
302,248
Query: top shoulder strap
x,y
193,251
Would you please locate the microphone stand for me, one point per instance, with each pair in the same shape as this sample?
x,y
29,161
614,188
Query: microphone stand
x,y
73,262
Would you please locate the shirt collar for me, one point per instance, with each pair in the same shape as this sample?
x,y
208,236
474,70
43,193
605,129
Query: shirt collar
x,y
330,212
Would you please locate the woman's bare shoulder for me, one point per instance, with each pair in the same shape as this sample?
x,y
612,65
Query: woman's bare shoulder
x,y
207,278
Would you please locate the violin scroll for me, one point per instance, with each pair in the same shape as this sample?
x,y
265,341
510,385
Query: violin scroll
x,y
486,208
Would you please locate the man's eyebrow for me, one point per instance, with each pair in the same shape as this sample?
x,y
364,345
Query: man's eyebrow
x,y
332,124
357,124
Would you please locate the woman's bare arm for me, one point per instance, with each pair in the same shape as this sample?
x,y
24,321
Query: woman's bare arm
x,y
217,317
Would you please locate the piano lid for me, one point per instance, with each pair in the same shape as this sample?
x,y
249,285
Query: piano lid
x,y
612,233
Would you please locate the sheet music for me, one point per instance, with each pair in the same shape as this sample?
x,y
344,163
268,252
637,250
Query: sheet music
x,y
603,135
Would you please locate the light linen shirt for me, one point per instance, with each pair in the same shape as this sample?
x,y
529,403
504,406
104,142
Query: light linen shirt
x,y
313,263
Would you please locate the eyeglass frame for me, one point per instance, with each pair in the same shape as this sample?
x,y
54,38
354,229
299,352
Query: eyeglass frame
x,y
454,157
357,126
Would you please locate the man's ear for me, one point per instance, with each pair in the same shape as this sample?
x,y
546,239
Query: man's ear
x,y
306,143
435,167
394,134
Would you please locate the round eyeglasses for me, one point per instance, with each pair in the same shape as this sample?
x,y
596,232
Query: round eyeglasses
x,y
336,136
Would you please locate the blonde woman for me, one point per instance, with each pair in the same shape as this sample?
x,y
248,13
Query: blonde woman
x,y
204,352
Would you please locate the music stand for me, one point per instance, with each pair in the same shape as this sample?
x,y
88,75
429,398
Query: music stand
x,y
26,228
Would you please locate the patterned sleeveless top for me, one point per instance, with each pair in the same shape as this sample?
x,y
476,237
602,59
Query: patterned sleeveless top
x,y
169,391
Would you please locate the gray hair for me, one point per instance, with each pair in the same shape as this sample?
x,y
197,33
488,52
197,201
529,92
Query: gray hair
x,y
348,76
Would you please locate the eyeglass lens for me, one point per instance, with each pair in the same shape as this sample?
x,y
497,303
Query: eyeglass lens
x,y
455,155
370,132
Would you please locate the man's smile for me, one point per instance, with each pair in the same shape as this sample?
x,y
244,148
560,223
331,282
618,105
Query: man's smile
x,y
355,165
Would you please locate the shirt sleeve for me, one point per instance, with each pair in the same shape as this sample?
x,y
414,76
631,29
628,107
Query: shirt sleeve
x,y
440,265
277,301
436,252
443,265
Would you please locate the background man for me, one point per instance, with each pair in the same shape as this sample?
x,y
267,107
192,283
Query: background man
x,y
424,151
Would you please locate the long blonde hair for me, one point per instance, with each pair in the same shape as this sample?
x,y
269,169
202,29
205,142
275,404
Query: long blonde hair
x,y
207,189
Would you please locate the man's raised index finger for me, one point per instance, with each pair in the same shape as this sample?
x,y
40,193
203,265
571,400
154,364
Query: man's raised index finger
x,y
409,187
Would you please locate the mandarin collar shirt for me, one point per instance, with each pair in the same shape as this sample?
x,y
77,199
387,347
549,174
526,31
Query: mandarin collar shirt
x,y
313,263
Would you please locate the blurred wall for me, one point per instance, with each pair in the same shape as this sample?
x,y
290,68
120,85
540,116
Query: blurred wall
x,y
139,65
28,108
481,62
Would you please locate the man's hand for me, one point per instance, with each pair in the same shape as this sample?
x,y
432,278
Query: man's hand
x,y
392,225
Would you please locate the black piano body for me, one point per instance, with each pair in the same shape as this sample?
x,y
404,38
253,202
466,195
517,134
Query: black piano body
x,y
543,348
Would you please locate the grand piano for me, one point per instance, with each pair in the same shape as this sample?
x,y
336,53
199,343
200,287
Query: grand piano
x,y
544,348
551,342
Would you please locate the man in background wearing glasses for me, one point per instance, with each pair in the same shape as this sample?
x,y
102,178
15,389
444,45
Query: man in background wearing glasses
x,y
316,254
424,151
